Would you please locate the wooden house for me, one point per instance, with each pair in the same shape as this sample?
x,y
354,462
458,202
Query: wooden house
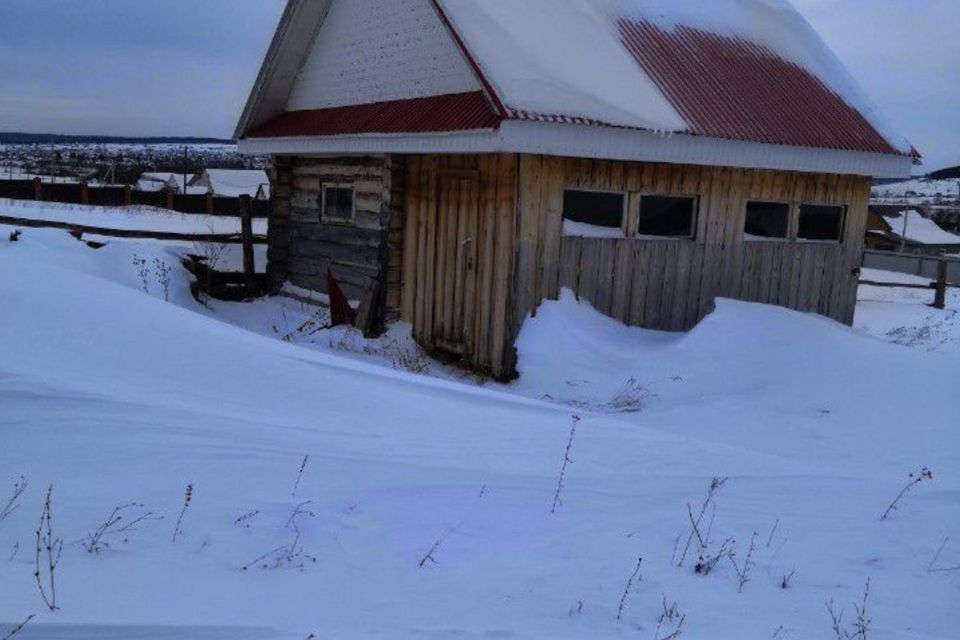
x,y
467,159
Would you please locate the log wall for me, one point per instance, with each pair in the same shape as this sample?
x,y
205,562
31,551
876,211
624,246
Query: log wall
x,y
671,284
302,247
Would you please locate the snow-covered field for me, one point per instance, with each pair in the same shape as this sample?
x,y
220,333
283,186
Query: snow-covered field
x,y
137,218
425,500
918,191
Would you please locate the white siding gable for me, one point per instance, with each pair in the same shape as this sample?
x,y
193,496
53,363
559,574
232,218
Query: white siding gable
x,y
375,50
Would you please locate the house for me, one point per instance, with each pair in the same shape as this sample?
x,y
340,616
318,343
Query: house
x,y
467,159
903,228
158,181
233,183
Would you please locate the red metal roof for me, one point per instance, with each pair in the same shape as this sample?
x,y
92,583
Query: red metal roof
x,y
731,88
446,113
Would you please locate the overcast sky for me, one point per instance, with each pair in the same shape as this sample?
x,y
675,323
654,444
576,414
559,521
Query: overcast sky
x,y
184,67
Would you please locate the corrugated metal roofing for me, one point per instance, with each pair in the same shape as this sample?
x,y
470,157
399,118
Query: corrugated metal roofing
x,y
446,113
728,87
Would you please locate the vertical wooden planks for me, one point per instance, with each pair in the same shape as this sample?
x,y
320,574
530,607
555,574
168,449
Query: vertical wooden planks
x,y
551,231
528,236
412,199
502,335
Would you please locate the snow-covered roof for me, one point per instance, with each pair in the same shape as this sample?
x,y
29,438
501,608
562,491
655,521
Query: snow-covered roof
x,y
915,228
233,183
736,71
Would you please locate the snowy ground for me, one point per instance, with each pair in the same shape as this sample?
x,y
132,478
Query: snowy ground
x,y
115,388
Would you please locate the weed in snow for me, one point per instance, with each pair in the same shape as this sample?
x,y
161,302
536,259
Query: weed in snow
x,y
48,547
626,592
296,485
933,567
858,629
743,571
915,479
631,398
143,271
12,504
566,461
787,581
187,498
290,555
244,519
670,622
162,272
429,555
17,629
115,524
703,540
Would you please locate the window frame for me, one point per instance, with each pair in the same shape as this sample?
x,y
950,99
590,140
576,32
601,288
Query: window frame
x,y
844,213
624,215
353,203
793,217
694,217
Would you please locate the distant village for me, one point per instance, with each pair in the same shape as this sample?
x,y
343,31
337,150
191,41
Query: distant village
x,y
194,169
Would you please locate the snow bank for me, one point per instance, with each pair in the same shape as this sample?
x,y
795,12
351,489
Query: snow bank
x,y
112,395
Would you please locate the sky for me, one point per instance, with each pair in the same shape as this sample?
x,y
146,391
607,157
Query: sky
x,y
184,67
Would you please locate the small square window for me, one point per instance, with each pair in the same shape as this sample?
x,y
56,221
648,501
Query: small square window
x,y
593,214
667,216
337,204
766,220
821,222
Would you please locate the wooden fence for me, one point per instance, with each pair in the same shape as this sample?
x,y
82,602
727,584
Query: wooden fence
x,y
119,196
913,264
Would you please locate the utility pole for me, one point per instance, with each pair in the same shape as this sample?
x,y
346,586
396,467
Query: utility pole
x,y
184,169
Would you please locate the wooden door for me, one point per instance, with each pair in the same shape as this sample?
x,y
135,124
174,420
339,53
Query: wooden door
x,y
455,261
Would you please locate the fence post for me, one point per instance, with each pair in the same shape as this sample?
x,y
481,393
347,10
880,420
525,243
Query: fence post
x,y
168,192
209,203
940,298
127,195
246,232
84,192
37,188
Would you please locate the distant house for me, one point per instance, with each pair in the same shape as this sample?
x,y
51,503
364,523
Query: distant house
x,y
469,158
907,229
232,183
158,181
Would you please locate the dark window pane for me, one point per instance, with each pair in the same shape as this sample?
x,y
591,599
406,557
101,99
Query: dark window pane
x,y
767,220
671,216
820,222
338,204
592,213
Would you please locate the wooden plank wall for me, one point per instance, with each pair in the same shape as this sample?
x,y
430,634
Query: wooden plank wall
x,y
671,284
487,298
